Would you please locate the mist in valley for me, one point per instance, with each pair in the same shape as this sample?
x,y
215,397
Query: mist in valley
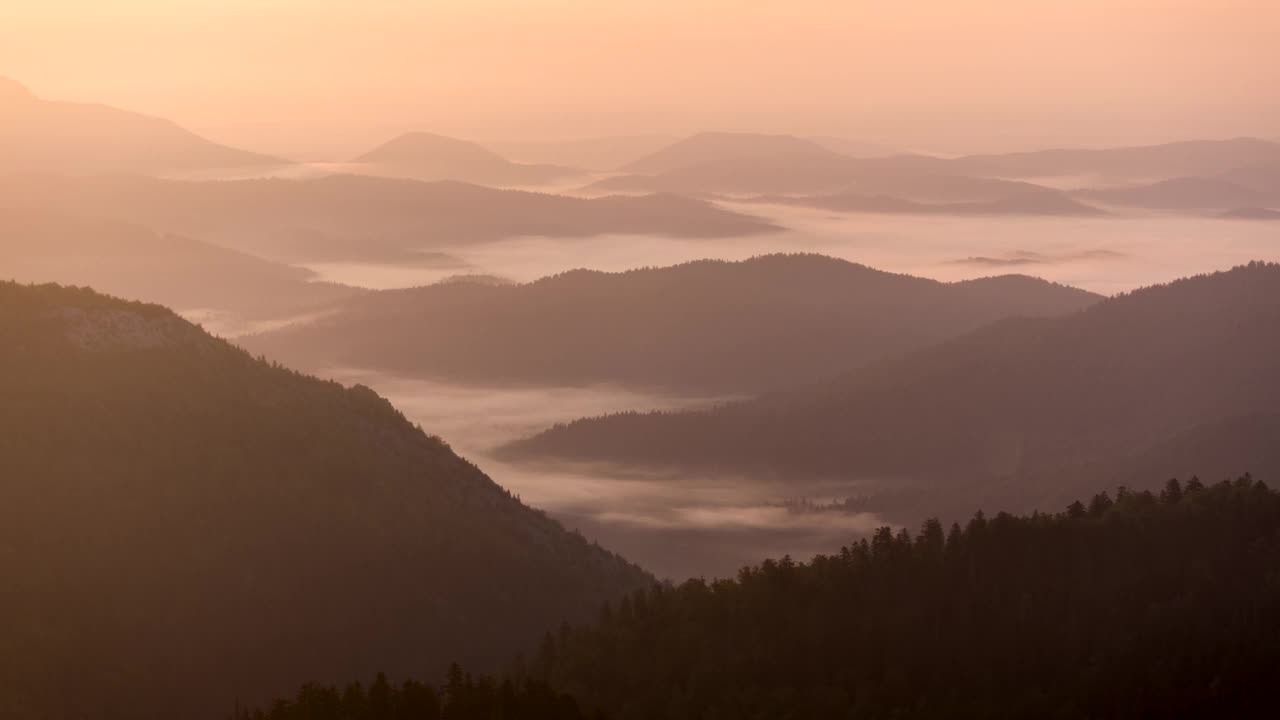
x,y
498,360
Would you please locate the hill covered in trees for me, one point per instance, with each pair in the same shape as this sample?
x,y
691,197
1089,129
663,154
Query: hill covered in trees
x,y
1137,605
349,217
460,697
1016,406
181,522
711,326
1133,605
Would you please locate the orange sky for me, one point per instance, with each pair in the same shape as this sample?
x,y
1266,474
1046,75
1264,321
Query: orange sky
x,y
329,78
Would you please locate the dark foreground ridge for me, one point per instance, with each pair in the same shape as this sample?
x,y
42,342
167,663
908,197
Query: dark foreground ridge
x,y
180,522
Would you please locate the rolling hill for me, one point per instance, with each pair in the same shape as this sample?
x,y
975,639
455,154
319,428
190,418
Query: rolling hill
x,y
709,326
1146,162
746,164
1015,408
350,217
1045,202
427,156
1182,193
182,526
131,261
715,147
43,135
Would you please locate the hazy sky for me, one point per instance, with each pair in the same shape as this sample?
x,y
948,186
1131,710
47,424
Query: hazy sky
x,y
330,77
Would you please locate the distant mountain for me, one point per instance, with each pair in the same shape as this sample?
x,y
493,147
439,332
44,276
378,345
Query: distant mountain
x,y
710,326
1150,162
1014,408
716,147
1046,202
1251,214
348,217
755,164
43,135
910,177
853,148
427,156
182,526
1184,193
1263,179
132,261
598,153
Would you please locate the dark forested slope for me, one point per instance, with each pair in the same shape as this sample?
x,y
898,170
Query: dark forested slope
x,y
710,326
1137,606
1133,606
180,522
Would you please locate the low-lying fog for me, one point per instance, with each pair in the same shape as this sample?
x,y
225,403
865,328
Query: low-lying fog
x,y
684,526
1103,254
674,526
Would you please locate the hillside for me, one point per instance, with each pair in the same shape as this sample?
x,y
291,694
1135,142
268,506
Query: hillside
x,y
1141,605
348,217
709,326
1183,193
1146,162
182,525
714,147
132,261
43,135
1012,407
1134,606
910,177
1048,202
427,156
1251,214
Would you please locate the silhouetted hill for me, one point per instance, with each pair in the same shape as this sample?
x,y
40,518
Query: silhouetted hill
x,y
427,156
1251,214
711,326
132,261
911,177
1010,407
182,526
1149,162
1139,606
1046,202
349,217
716,147
597,153
1184,193
44,135
853,148
1264,179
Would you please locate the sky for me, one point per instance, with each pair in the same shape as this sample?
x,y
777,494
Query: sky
x,y
328,79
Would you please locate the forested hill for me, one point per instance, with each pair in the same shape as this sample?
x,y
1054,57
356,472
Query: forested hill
x,y
1129,607
180,522
708,326
1136,605
1021,403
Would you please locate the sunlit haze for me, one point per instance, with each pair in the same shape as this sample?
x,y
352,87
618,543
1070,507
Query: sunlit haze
x,y
324,80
